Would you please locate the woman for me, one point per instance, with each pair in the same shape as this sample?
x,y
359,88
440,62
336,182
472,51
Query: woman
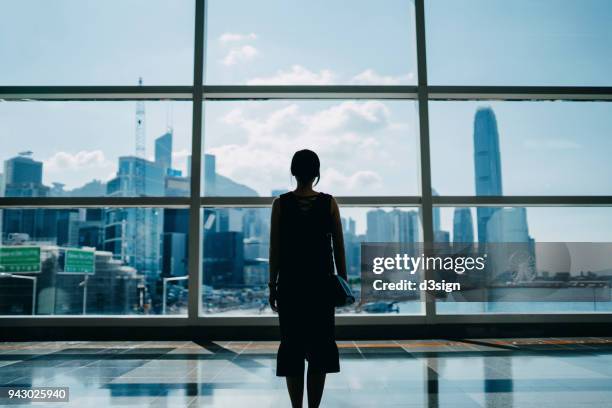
x,y
305,223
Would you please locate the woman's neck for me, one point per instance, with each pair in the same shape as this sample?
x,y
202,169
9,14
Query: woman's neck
x,y
304,190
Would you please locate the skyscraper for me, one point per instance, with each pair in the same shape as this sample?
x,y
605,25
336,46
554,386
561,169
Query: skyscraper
x,y
378,228
392,226
487,168
210,175
130,180
511,224
504,225
163,151
216,184
1,185
174,242
133,234
23,177
463,230
436,214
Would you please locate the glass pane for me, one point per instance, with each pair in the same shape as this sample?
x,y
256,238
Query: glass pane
x,y
564,289
93,261
236,244
318,42
111,42
521,148
365,147
520,42
77,149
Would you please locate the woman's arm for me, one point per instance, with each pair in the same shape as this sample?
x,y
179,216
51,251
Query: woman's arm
x,y
338,240
274,255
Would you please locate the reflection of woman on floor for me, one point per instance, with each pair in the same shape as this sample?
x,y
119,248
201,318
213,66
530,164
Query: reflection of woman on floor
x,y
304,225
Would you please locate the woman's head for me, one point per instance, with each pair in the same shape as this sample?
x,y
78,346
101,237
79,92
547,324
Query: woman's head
x,y
305,166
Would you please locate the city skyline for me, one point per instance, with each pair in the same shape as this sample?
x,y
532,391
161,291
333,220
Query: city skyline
x,y
235,240
447,220
368,148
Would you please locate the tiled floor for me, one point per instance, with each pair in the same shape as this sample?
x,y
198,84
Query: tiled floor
x,y
425,373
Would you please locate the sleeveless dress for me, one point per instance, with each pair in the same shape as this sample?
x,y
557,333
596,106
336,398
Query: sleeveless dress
x,y
305,306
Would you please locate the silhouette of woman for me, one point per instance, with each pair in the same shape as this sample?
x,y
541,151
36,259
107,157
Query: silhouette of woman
x,y
304,225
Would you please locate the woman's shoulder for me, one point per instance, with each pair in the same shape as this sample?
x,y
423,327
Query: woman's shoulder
x,y
325,197
283,197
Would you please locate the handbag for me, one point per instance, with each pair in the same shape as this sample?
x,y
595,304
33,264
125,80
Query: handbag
x,y
341,291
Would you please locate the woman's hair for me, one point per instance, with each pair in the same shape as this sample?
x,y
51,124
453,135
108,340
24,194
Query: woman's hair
x,y
305,166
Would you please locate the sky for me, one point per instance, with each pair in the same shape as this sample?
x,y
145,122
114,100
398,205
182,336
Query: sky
x,y
367,147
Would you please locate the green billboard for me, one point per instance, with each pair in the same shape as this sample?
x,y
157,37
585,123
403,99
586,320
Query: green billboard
x,y
79,261
16,259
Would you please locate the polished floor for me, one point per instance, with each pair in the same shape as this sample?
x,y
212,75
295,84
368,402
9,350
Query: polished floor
x,y
422,373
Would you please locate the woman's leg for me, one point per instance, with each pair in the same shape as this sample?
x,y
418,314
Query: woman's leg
x,y
295,386
316,384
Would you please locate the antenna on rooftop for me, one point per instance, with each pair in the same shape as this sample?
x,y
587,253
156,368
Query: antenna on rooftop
x,y
140,126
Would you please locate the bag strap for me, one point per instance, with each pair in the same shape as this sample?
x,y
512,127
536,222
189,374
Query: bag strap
x,y
330,228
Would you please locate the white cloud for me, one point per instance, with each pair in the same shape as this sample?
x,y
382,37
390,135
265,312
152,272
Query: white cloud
x,y
371,77
239,49
78,161
348,134
240,54
335,180
297,75
351,115
227,38
77,169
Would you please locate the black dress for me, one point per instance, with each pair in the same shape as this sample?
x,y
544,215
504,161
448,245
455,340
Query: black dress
x,y
305,307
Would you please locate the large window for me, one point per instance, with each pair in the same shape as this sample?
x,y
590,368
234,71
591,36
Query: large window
x,y
367,147
490,148
93,261
110,42
236,242
278,42
143,142
563,251
519,42
95,149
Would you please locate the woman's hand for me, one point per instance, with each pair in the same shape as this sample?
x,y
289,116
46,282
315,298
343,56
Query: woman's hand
x,y
273,299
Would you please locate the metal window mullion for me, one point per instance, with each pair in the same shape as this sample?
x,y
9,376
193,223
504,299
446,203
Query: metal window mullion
x,y
246,92
466,201
426,193
196,156
346,201
93,202
484,319
263,92
98,92
520,93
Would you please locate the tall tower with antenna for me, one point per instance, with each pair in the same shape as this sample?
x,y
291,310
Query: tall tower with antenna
x,y
140,236
140,127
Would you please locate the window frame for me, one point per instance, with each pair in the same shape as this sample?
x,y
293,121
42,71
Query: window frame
x,y
197,93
